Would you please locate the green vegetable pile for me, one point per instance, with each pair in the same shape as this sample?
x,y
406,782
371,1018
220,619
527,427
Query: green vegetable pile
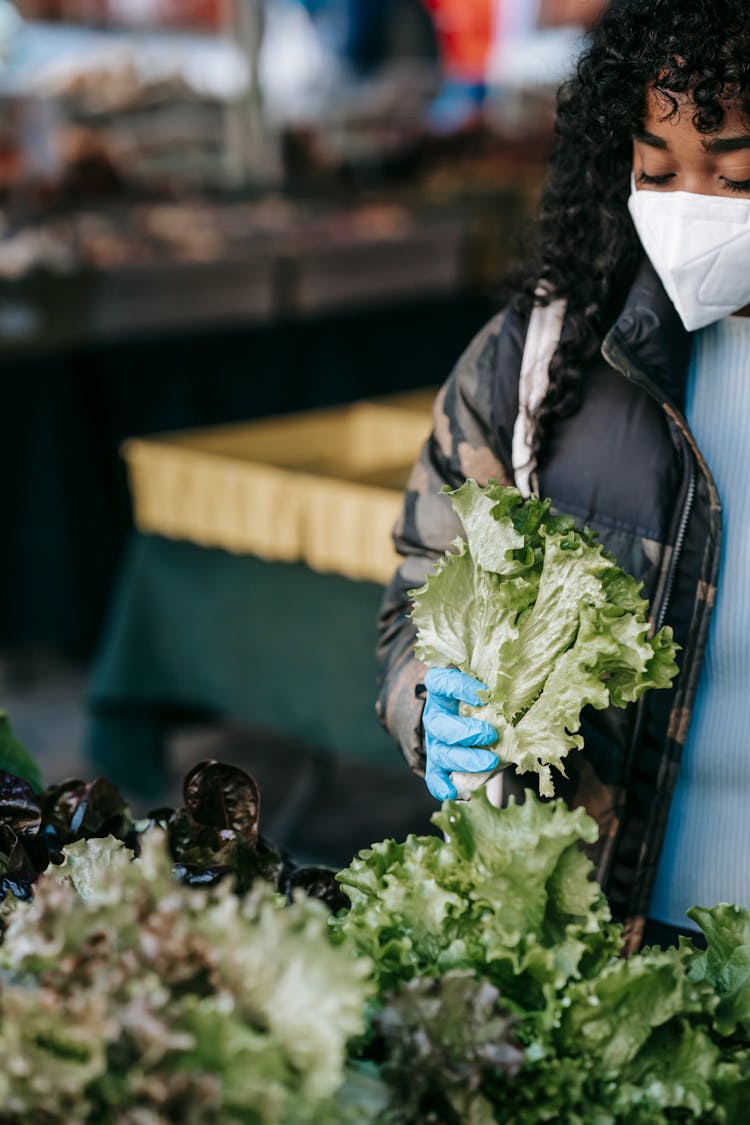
x,y
507,900
542,615
474,979
127,998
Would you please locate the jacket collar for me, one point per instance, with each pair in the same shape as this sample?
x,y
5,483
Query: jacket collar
x,y
648,343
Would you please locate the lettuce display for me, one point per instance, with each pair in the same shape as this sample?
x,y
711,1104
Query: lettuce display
x,y
541,614
179,969
127,998
474,979
507,898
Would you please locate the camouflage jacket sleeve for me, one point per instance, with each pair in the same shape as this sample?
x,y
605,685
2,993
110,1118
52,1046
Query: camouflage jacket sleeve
x,y
459,446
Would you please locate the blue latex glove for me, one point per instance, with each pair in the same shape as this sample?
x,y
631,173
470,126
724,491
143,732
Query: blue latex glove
x,y
451,741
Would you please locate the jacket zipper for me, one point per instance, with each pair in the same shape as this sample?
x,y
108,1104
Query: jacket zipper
x,y
687,511
679,543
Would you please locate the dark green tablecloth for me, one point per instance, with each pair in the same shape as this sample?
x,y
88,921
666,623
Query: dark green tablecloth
x,y
195,632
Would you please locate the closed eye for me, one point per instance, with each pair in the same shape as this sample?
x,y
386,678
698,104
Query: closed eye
x,y
735,185
644,178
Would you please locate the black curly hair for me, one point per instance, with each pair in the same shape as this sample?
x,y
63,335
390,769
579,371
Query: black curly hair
x,y
583,246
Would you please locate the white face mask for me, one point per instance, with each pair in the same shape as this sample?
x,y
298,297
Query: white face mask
x,y
699,246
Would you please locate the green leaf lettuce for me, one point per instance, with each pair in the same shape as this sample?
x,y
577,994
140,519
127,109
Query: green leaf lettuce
x,y
540,613
508,894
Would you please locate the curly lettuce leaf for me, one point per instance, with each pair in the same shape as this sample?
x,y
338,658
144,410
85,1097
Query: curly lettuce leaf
x,y
466,615
507,894
540,613
631,1044
638,1025
491,534
725,964
674,1070
610,661
611,1018
571,578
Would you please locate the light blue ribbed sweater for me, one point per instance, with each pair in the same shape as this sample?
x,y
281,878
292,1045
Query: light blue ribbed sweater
x,y
706,854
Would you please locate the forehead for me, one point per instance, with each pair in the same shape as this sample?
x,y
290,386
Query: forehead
x,y
658,120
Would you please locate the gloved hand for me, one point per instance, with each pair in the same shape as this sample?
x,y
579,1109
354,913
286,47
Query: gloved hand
x,y
450,739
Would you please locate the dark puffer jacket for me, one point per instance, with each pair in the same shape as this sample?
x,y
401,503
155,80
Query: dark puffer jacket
x,y
627,466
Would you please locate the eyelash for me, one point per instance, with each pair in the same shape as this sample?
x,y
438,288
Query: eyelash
x,y
736,185
644,178
659,181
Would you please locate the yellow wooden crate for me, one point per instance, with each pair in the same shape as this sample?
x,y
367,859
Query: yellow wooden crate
x,y
323,487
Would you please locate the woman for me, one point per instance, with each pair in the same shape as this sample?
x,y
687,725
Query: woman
x,y
635,303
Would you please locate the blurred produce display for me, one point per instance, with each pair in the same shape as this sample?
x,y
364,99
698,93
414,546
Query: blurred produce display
x,y
103,273
218,93
145,134
152,105
159,13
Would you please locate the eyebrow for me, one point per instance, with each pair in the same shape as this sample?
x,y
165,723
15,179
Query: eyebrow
x,y
651,139
727,144
717,146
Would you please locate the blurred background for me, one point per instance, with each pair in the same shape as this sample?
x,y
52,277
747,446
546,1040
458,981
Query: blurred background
x,y
241,244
